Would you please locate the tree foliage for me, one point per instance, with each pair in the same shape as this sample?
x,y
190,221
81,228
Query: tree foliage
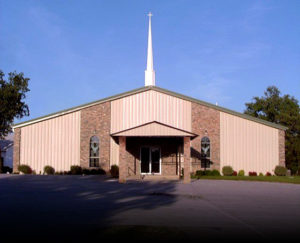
x,y
283,110
12,95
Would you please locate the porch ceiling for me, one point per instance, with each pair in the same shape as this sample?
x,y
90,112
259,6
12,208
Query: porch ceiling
x,y
154,129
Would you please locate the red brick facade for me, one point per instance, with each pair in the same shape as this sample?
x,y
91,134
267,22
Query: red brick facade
x,y
187,159
123,160
205,122
281,142
17,143
95,121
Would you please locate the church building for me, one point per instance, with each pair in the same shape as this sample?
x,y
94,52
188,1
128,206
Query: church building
x,y
149,132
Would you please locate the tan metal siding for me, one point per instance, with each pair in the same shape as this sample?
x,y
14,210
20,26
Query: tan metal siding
x,y
153,129
54,142
247,145
148,106
114,152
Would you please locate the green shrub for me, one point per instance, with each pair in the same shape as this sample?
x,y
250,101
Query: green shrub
x,y
76,170
260,174
114,171
200,172
241,173
227,171
25,169
215,173
94,171
280,170
49,170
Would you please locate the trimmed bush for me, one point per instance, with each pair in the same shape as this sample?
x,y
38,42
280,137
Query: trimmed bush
x,y
25,169
234,173
94,171
252,173
261,174
207,173
268,174
280,170
49,170
241,173
114,171
76,170
215,173
202,172
227,171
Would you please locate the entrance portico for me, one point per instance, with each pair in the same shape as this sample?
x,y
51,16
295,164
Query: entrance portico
x,y
154,149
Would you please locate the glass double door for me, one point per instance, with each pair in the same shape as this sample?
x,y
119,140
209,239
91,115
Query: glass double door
x,y
150,160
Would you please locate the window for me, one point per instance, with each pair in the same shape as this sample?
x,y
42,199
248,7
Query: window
x,y
94,151
205,152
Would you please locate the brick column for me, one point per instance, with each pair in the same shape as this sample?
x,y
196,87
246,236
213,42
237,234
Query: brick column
x,y
187,159
281,142
122,160
16,153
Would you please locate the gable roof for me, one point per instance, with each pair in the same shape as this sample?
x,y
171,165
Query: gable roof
x,y
143,89
154,129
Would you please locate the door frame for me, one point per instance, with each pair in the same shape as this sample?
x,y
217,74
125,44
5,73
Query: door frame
x,y
150,160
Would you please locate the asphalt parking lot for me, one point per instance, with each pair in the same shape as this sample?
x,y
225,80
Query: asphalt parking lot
x,y
84,207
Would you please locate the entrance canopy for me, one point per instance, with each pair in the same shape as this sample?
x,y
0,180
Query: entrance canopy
x,y
154,129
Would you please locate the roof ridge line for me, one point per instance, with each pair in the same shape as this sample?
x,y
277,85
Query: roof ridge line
x,y
143,89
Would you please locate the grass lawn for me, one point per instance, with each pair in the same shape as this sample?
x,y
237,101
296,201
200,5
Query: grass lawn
x,y
282,179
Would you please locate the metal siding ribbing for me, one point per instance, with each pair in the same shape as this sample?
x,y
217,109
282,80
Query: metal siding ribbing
x,y
114,152
148,106
54,142
247,145
153,129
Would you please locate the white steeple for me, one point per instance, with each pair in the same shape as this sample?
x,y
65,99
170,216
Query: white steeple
x,y
150,73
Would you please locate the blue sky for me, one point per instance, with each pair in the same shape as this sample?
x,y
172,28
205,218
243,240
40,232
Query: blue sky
x,y
218,51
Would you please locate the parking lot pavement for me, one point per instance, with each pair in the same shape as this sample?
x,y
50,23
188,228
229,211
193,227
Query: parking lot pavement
x,y
81,207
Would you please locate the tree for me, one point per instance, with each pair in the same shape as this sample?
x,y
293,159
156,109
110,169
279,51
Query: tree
x,y
12,104
283,110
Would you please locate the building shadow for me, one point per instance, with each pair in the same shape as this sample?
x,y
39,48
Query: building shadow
x,y
73,207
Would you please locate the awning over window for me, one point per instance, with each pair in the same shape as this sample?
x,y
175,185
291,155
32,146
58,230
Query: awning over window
x,y
154,129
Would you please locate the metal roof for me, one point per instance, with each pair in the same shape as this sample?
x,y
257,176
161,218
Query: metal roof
x,y
143,89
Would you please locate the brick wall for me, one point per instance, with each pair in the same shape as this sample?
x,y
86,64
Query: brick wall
x,y
95,121
17,145
205,122
281,142
123,166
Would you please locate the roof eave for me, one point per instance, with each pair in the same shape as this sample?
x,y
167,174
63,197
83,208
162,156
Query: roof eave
x,y
142,89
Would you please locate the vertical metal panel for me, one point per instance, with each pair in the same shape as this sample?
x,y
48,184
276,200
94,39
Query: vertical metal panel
x,y
114,152
148,106
153,129
247,145
54,142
